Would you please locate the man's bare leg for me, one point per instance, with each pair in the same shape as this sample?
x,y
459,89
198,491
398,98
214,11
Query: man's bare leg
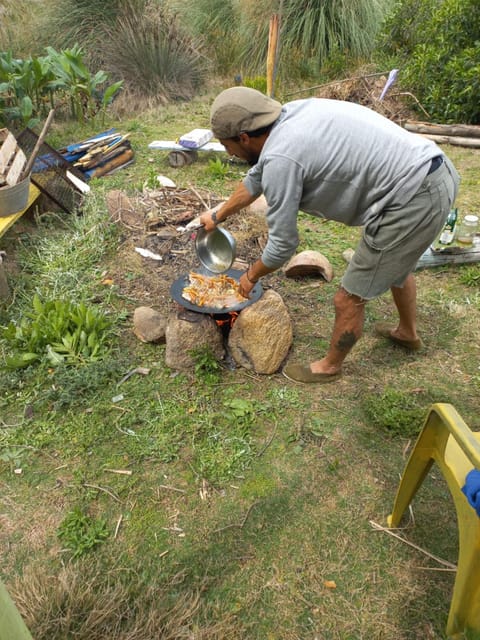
x,y
405,299
347,329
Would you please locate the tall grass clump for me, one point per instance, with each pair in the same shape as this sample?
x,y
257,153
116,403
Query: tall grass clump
x,y
311,32
153,54
71,22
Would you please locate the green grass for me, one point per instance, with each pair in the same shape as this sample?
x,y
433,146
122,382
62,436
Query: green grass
x,y
227,501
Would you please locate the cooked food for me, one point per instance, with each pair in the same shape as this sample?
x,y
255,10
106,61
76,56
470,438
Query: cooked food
x,y
217,292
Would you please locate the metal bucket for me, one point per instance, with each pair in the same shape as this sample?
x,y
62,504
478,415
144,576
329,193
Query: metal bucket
x,y
14,199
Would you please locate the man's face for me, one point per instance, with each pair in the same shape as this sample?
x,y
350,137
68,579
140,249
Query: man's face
x,y
241,148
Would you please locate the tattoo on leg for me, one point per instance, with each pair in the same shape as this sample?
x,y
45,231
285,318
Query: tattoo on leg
x,y
346,341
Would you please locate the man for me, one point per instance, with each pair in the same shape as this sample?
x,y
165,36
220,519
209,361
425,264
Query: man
x,y
344,162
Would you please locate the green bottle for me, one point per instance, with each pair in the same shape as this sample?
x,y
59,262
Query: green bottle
x,y
448,233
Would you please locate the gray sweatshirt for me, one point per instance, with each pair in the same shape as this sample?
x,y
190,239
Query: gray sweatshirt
x,y
335,160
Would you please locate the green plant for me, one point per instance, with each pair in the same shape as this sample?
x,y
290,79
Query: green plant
x,y
153,53
217,168
80,533
470,276
207,367
58,332
398,412
436,46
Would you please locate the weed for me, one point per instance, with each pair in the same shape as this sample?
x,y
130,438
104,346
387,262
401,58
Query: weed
x,y
57,332
397,412
470,276
217,168
80,533
207,368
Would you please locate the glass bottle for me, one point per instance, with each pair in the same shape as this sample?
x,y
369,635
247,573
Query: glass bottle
x,y
467,230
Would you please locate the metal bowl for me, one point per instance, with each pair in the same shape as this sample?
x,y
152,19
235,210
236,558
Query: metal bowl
x,y
215,249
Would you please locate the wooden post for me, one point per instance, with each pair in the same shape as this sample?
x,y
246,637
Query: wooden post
x,y
272,53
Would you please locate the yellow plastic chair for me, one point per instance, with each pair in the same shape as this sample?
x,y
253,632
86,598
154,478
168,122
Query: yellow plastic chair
x,y
12,626
448,441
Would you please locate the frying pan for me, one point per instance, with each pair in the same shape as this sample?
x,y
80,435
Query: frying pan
x,y
179,285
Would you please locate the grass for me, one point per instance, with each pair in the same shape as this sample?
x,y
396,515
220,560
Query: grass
x,y
221,504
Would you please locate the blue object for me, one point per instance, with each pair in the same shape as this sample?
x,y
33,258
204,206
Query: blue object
x,y
472,489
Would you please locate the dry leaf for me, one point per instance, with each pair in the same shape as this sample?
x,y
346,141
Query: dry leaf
x,y
330,584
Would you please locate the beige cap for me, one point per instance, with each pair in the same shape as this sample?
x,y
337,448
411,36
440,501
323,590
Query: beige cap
x,y
242,109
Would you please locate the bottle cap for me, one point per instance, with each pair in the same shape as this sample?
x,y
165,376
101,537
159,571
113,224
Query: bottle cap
x,y
470,218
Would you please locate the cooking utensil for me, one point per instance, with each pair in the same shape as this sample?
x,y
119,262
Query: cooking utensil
x,y
215,249
179,285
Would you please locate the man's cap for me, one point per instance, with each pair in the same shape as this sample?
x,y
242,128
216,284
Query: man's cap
x,y
242,109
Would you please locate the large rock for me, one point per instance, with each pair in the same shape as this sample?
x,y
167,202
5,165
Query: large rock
x,y
187,333
262,334
149,325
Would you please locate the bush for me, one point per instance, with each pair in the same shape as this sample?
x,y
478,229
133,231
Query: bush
x,y
436,44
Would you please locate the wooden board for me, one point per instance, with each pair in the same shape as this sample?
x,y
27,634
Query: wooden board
x,y
7,221
16,168
171,145
7,151
433,258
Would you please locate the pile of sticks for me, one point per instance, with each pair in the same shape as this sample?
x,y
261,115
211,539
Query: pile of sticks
x,y
100,155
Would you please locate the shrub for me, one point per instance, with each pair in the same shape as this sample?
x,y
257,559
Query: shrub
x,y
436,44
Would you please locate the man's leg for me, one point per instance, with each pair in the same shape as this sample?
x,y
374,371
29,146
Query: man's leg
x,y
347,329
405,299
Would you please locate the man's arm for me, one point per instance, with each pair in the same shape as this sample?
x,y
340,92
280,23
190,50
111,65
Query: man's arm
x,y
239,199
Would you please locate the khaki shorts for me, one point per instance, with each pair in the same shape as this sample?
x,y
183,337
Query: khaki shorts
x,y
393,242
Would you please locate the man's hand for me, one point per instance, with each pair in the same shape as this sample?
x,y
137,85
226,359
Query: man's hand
x,y
209,219
245,285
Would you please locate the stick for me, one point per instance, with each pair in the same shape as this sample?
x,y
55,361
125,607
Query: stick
x,y
379,527
125,472
329,84
38,144
235,525
119,522
95,486
165,486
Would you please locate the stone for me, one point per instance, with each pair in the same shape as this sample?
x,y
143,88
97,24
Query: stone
x,y
262,335
149,325
309,263
187,333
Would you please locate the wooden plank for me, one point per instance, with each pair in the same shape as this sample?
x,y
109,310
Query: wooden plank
x,y
437,258
6,152
7,221
16,168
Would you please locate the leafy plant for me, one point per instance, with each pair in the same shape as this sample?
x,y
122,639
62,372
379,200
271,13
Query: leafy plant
x,y
437,47
217,168
80,533
58,332
207,367
28,87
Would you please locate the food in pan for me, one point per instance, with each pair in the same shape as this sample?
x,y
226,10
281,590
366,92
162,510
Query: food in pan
x,y
217,292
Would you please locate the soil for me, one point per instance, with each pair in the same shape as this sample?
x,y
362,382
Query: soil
x,y
147,281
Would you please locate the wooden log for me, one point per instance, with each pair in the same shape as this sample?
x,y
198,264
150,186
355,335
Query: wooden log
x,y
120,160
455,141
455,130
7,150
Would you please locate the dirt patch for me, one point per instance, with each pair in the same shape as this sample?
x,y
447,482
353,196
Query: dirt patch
x,y
153,221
